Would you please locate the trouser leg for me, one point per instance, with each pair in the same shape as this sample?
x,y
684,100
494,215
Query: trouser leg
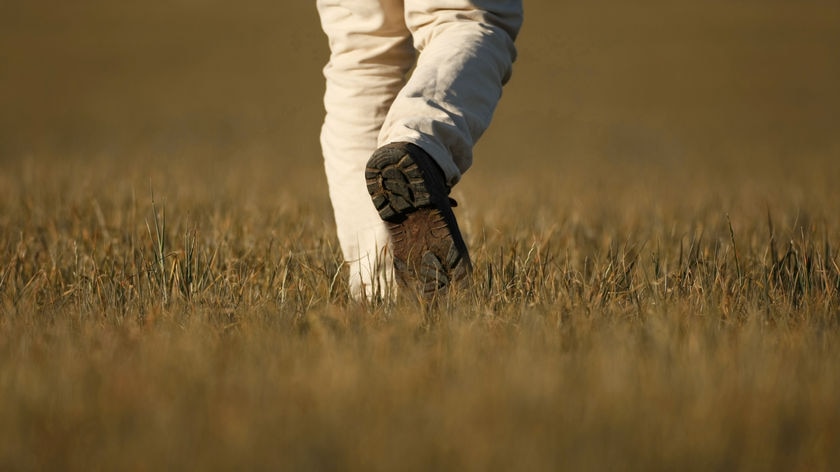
x,y
466,52
370,55
466,56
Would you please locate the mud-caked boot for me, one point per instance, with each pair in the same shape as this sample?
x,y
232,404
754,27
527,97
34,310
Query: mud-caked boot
x,y
410,193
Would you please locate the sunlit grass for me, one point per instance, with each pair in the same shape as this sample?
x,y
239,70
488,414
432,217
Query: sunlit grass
x,y
617,325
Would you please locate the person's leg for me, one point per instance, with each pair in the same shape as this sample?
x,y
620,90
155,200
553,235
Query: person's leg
x,y
370,55
466,52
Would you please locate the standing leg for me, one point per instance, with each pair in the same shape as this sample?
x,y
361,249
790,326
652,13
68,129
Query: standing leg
x,y
370,55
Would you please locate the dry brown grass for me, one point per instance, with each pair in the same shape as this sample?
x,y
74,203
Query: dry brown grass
x,y
656,281
603,331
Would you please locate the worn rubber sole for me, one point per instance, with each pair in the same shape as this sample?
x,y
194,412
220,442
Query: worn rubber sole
x,y
409,193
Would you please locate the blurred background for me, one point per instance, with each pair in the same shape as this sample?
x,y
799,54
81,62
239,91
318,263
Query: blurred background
x,y
660,83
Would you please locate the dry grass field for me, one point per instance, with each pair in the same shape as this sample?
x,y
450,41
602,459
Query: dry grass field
x,y
653,219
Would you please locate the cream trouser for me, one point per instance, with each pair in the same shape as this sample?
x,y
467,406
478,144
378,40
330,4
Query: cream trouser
x,y
461,51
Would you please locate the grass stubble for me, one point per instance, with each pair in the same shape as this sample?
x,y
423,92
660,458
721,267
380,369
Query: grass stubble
x,y
190,316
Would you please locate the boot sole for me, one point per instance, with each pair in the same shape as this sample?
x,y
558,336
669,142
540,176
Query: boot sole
x,y
427,243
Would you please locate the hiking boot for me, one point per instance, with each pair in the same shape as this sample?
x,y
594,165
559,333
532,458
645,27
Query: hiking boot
x,y
409,192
